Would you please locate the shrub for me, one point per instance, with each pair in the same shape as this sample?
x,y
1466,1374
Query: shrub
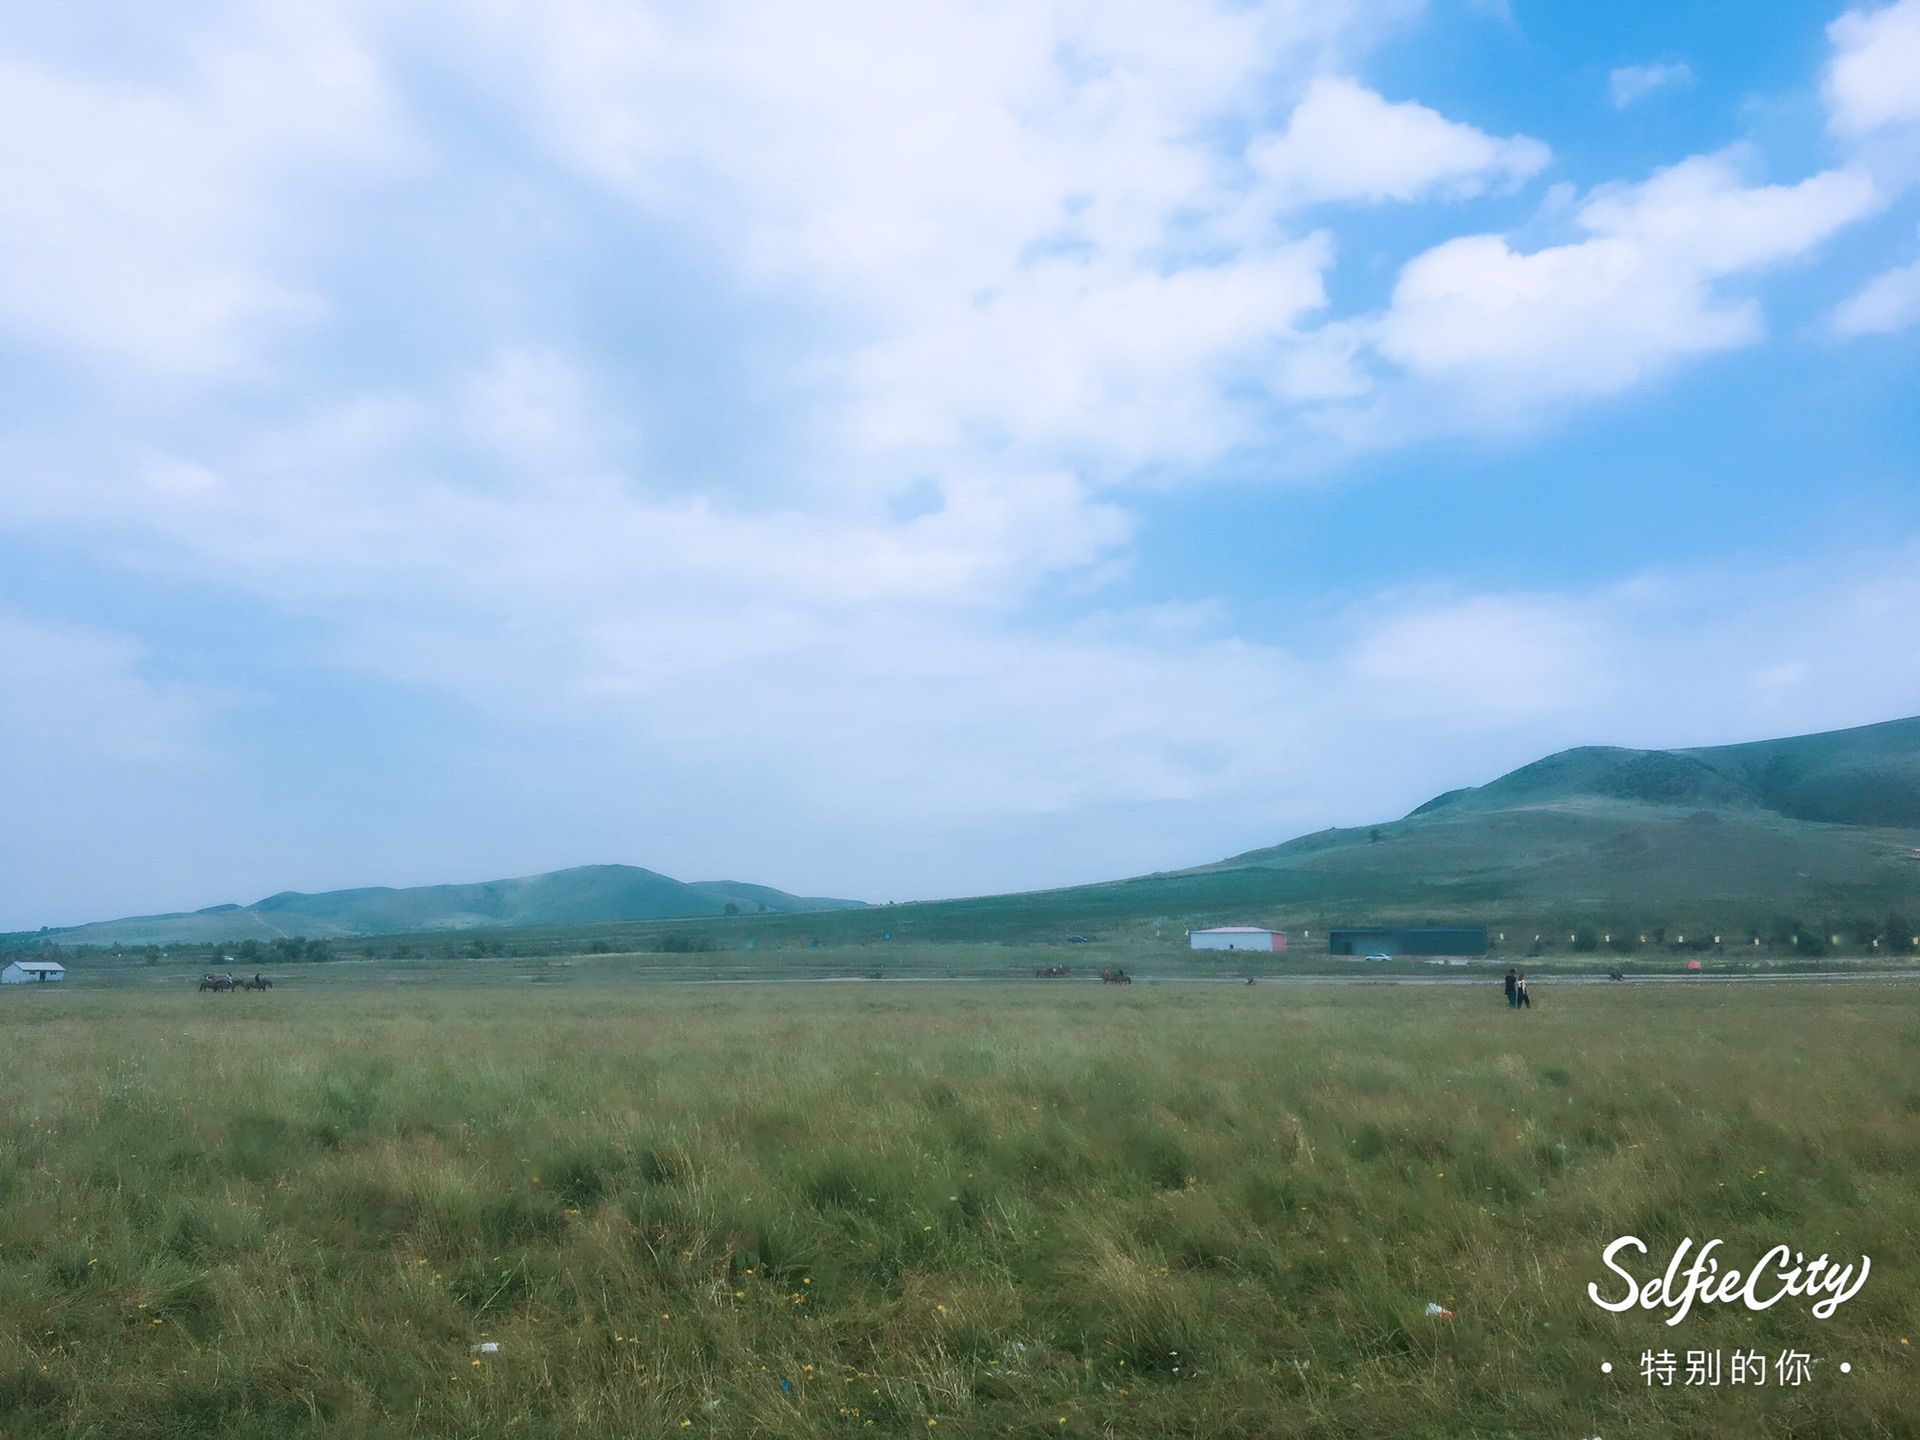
x,y
677,944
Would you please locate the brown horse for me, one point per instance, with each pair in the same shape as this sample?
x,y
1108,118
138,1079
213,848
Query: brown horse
x,y
258,982
1115,977
1050,972
217,982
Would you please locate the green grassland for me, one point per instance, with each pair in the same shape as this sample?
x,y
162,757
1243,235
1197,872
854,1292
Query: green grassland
x,y
567,959
950,1209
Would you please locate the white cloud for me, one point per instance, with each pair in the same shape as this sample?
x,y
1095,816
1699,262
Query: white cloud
x,y
1873,79
1510,328
877,690
1035,231
535,409
79,695
375,504
878,148
1701,214
1006,263
1631,84
143,224
1344,142
1112,366
1889,302
1528,656
952,723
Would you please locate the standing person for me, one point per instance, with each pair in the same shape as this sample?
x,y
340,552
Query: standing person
x,y
1513,988
1520,995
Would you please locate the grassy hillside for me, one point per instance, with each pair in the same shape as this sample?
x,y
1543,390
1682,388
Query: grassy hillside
x,y
1868,776
1820,823
586,894
1825,828
1821,829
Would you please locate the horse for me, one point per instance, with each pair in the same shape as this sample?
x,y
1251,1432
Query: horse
x,y
258,982
1115,977
1050,972
216,982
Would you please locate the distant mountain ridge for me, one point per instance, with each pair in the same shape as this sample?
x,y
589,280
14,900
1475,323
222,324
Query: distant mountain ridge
x,y
1824,825
1828,820
1866,776
581,895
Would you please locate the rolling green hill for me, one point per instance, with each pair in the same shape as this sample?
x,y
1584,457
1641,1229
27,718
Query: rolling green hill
x,y
1869,776
1824,827
1831,818
586,894
1825,824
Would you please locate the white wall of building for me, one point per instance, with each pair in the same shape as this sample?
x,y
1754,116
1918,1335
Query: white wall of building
x,y
17,974
1268,940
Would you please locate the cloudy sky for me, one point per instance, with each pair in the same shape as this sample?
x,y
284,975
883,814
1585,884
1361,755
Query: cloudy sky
x,y
911,450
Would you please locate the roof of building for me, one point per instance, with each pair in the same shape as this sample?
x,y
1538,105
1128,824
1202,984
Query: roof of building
x,y
40,965
1237,930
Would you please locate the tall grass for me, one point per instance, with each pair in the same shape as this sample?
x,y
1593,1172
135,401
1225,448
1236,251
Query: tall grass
x,y
970,1210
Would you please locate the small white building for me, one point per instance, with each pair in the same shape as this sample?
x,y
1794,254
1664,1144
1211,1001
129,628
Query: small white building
x,y
30,972
1237,937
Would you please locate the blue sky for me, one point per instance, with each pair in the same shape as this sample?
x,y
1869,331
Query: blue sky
x,y
912,451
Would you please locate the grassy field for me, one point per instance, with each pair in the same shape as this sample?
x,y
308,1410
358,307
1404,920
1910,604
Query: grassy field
x,y
961,1210
566,964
